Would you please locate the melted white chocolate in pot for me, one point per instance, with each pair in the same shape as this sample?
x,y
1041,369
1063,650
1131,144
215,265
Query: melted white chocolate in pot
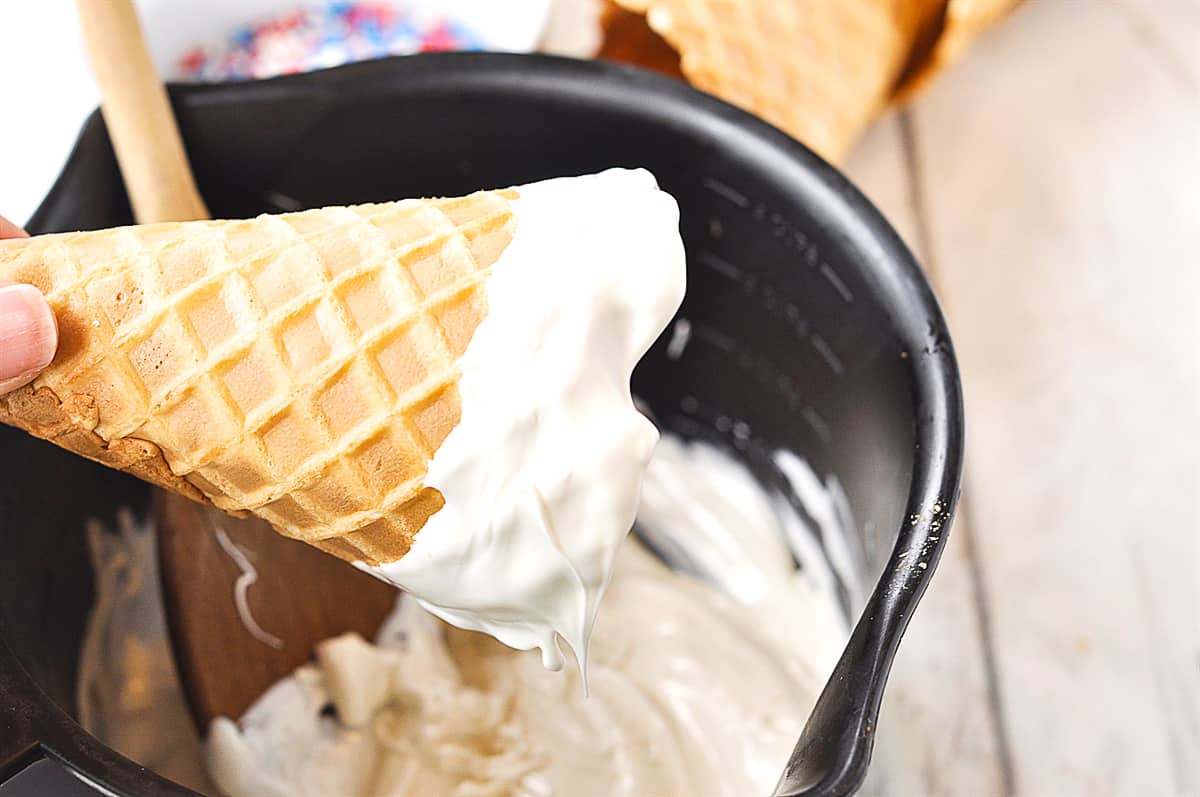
x,y
694,691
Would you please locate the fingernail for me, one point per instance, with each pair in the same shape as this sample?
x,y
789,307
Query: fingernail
x,y
28,335
10,230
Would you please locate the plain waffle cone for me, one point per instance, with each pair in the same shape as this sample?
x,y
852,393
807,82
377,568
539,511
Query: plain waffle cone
x,y
299,367
818,69
961,22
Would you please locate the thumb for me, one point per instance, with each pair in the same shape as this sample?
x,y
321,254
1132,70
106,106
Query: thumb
x,y
28,335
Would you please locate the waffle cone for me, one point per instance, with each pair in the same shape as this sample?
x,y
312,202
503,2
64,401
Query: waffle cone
x,y
299,367
819,69
962,21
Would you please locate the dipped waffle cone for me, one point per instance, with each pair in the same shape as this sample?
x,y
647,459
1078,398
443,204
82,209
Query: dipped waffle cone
x,y
299,367
818,69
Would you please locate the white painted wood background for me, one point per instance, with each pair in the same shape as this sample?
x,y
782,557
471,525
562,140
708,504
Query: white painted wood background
x,y
1051,185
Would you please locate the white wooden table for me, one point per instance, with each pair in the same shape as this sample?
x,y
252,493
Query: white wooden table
x,y
1051,185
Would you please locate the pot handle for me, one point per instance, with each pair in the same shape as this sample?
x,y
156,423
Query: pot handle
x,y
830,759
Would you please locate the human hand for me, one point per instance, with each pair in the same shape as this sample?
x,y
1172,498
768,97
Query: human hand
x,y
28,331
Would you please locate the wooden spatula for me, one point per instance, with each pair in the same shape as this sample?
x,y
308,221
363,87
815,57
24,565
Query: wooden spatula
x,y
291,597
227,654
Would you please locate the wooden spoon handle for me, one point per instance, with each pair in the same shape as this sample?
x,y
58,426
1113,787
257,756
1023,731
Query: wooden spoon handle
x,y
138,115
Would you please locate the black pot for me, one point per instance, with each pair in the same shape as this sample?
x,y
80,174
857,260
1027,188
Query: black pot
x,y
811,325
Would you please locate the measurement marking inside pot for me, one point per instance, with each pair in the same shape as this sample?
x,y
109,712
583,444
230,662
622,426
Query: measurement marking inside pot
x,y
720,189
831,359
681,333
817,423
833,279
282,201
721,266
718,339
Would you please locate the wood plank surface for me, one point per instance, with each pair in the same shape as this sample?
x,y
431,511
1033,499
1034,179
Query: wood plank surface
x,y
938,733
1060,166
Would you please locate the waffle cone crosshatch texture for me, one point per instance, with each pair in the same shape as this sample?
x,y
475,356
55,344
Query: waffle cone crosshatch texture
x,y
820,70
299,367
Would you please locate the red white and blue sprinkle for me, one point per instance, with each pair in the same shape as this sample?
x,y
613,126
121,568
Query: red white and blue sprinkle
x,y
320,36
